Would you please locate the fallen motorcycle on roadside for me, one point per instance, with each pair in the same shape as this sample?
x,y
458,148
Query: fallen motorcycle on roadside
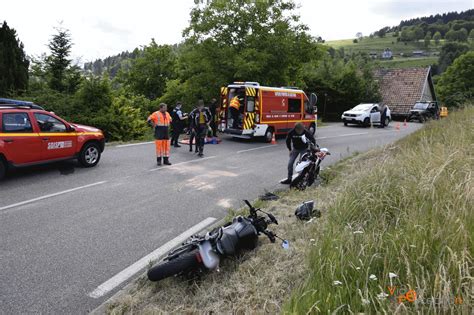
x,y
203,252
308,167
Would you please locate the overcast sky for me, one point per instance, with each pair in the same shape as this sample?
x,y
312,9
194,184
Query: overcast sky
x,y
101,28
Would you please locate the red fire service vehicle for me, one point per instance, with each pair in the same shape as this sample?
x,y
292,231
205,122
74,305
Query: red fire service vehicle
x,y
30,135
250,110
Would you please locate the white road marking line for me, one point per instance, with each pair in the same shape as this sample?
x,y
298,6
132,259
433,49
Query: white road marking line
x,y
128,272
258,148
344,135
181,163
50,196
133,144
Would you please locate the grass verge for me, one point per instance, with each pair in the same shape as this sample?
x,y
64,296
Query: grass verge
x,y
405,210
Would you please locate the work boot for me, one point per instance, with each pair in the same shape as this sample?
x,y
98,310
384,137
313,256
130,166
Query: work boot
x,y
286,181
158,161
176,145
166,160
190,149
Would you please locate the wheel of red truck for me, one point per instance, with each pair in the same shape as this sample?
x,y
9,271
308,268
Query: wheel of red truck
x,y
387,121
268,135
90,155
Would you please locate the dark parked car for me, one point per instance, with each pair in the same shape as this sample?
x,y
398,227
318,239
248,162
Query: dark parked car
x,y
423,111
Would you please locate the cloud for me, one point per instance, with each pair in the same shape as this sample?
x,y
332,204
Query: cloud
x,y
406,9
109,28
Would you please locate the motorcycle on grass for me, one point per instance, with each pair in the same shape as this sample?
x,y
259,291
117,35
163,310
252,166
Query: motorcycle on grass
x,y
308,167
204,252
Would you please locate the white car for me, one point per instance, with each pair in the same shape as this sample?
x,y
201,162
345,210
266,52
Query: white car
x,y
365,114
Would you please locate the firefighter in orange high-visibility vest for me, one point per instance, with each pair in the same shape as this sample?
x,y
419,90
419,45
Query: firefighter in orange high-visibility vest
x,y
234,108
160,120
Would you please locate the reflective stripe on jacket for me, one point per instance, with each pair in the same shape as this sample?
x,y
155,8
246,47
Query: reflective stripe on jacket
x,y
160,119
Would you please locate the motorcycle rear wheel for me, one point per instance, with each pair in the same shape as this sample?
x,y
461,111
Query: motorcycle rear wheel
x,y
186,262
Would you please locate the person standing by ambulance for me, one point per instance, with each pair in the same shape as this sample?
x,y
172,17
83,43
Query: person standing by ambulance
x,y
297,142
234,108
202,119
160,120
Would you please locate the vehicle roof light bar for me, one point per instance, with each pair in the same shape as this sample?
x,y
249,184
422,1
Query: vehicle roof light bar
x,y
17,103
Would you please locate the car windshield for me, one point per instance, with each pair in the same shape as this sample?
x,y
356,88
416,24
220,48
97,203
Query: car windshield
x,y
421,106
362,107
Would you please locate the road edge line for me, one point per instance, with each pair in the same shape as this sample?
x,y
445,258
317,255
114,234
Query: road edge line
x,y
140,264
21,203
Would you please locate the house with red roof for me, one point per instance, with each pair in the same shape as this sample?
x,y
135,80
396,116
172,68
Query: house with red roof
x,y
400,89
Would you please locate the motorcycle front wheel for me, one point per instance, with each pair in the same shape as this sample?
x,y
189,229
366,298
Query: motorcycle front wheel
x,y
300,182
186,262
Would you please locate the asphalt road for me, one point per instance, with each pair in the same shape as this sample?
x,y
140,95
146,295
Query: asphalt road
x,y
57,248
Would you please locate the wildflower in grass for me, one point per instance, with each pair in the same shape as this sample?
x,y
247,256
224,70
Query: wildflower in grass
x,y
392,275
337,282
358,232
357,268
412,246
365,301
382,295
372,277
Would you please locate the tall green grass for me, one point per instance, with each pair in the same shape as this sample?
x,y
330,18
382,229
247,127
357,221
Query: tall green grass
x,y
407,212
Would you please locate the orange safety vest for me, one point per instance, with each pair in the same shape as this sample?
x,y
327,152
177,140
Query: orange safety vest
x,y
234,102
160,119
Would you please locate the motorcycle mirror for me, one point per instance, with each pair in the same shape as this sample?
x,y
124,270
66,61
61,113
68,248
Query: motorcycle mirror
x,y
285,244
272,218
248,204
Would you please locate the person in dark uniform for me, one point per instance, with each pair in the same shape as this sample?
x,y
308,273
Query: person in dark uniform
x,y
177,123
192,130
297,142
202,119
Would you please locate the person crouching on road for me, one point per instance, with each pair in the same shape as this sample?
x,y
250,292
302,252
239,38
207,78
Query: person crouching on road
x,y
160,120
202,119
177,117
297,142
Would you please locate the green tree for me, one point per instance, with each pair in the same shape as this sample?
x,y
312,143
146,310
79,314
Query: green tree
x,y
418,32
427,39
13,63
93,96
437,37
456,85
341,83
449,52
59,60
151,70
407,35
459,36
121,121
471,35
260,41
